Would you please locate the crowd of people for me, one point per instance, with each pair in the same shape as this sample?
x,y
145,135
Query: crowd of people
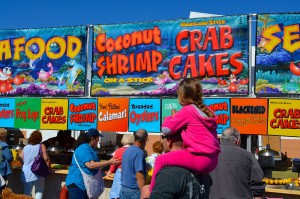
x,y
188,162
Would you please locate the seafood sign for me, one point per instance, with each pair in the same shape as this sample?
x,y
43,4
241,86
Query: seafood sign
x,y
150,58
43,62
277,55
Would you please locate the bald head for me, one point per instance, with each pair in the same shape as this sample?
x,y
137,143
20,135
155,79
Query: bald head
x,y
140,135
230,134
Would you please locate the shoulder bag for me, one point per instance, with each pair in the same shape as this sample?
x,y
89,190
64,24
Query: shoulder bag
x,y
94,184
39,166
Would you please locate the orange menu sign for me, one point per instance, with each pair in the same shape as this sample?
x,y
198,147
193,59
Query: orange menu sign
x,y
113,114
284,117
249,115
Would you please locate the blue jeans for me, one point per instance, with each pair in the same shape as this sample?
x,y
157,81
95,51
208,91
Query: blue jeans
x,y
128,193
39,185
116,186
76,193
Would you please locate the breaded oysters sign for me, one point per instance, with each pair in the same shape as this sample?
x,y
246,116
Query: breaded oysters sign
x,y
7,116
150,58
144,114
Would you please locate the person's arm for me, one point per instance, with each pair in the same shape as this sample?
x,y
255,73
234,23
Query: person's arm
x,y
145,192
99,165
113,167
256,185
21,157
7,154
172,125
140,179
46,156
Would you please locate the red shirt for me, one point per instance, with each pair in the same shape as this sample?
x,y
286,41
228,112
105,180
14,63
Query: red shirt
x,y
118,154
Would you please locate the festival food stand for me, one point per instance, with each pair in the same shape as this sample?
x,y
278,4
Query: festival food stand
x,y
135,71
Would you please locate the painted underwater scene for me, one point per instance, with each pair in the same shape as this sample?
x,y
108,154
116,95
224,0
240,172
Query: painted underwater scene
x,y
43,62
277,70
150,58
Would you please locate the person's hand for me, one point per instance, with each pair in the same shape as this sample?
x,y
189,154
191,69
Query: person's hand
x,y
145,192
173,112
115,161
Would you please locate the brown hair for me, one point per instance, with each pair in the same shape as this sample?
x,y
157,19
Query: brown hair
x,y
190,92
35,137
158,147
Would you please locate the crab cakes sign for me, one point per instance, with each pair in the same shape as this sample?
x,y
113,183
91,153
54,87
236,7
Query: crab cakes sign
x,y
150,58
54,114
284,117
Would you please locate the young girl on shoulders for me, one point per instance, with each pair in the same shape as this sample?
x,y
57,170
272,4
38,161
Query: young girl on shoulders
x,y
197,125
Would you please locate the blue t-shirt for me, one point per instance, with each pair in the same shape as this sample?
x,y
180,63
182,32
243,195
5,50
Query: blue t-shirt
x,y
133,161
84,153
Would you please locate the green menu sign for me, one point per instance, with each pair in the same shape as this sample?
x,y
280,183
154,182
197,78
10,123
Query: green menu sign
x,y
169,107
27,113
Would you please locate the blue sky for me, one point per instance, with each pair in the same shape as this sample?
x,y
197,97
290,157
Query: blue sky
x,y
52,13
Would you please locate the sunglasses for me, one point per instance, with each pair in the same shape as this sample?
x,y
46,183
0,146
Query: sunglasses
x,y
164,137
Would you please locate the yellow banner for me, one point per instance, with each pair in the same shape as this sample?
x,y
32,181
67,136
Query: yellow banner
x,y
284,117
54,114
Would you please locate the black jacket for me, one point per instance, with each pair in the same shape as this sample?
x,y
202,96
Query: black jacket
x,y
237,176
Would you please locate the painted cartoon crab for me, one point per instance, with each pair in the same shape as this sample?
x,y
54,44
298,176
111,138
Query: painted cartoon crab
x,y
6,80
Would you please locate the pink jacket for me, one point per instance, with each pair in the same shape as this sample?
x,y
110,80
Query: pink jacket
x,y
199,133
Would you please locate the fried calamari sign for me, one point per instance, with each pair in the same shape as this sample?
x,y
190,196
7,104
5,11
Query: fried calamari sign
x,y
151,58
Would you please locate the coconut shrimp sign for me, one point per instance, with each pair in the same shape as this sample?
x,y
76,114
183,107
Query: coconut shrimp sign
x,y
221,108
82,114
277,55
150,58
43,62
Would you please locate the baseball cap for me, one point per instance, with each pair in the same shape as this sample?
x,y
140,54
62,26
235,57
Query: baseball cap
x,y
92,132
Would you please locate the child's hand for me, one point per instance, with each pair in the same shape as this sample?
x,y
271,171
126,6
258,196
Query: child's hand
x,y
173,112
